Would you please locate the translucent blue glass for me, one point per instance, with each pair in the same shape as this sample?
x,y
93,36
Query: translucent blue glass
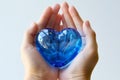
x,y
58,48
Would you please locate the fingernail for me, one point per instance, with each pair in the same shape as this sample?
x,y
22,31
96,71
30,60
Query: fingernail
x,y
87,23
66,4
32,25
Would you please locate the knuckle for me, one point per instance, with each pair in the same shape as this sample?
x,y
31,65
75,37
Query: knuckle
x,y
92,48
93,33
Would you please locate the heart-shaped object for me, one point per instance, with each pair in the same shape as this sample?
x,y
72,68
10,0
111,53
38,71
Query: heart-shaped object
x,y
58,48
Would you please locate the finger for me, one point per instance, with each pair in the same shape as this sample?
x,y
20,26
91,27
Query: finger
x,y
67,15
52,19
42,23
89,34
76,18
62,27
30,34
57,22
63,21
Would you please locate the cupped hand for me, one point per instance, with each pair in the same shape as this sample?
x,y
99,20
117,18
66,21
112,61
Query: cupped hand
x,y
82,66
35,66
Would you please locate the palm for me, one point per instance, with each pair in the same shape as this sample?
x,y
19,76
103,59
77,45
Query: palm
x,y
37,64
82,65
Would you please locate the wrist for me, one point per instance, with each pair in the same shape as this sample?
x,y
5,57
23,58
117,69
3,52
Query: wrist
x,y
33,77
75,77
81,78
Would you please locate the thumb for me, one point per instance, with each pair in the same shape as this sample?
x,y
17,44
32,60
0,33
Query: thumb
x,y
30,34
89,34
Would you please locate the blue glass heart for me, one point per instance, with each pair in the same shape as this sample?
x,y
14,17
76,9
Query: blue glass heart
x,y
58,48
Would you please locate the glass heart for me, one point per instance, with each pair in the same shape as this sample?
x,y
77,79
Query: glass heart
x,y
58,48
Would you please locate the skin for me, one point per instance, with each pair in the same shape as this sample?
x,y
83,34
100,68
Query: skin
x,y
80,68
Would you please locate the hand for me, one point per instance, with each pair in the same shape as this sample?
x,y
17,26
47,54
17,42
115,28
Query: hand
x,y
35,66
82,66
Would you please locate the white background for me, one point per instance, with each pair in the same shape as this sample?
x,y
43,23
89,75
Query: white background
x,y
17,15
